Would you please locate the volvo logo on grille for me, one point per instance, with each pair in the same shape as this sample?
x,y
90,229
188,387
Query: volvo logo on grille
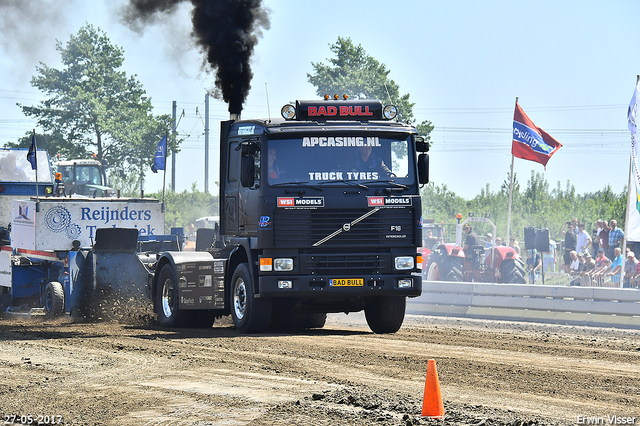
x,y
346,227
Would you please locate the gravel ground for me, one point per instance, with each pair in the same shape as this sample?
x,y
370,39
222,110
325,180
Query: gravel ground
x,y
132,372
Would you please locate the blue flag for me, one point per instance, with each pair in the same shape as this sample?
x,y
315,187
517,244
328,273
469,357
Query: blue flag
x,y
161,156
31,155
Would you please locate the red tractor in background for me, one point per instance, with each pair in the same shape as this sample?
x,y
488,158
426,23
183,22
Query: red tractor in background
x,y
496,264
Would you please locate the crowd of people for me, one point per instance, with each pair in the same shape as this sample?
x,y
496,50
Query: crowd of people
x,y
591,259
597,258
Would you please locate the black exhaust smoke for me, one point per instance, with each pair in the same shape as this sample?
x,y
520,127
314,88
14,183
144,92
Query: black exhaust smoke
x,y
227,31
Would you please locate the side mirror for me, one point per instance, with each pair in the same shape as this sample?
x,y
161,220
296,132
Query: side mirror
x,y
423,169
247,171
421,144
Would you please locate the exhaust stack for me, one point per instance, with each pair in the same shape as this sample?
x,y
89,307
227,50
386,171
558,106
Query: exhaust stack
x,y
234,116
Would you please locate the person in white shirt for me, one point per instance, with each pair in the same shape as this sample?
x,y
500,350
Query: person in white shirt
x,y
549,258
584,239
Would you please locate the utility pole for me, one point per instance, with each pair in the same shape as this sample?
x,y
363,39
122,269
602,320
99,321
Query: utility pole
x,y
206,143
173,154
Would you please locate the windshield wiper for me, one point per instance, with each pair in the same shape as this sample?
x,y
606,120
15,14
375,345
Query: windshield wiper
x,y
399,185
348,182
301,184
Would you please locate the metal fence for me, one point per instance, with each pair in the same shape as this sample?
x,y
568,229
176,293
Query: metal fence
x,y
559,304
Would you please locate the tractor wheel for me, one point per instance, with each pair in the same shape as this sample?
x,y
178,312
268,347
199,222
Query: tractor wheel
x,y
385,314
54,299
250,315
512,272
444,268
169,313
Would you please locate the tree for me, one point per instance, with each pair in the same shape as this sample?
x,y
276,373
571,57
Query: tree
x,y
183,208
92,107
354,73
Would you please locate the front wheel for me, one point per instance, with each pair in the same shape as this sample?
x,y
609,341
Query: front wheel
x,y
385,314
54,299
250,314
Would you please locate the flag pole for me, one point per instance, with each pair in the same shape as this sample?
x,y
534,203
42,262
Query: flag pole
x,y
164,177
630,204
510,190
35,153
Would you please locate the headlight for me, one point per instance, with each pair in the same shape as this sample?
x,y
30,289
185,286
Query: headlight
x,y
390,112
288,112
404,263
283,264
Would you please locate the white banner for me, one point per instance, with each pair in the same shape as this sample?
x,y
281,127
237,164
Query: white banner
x,y
60,221
632,231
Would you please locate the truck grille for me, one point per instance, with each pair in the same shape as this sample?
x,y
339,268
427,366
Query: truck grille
x,y
345,264
300,228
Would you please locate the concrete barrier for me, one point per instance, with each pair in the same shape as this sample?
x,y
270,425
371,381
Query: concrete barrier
x,y
604,307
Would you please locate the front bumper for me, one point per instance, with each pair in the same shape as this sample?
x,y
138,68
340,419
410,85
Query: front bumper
x,y
319,286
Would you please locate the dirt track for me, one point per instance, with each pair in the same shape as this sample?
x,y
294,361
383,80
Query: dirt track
x,y
491,373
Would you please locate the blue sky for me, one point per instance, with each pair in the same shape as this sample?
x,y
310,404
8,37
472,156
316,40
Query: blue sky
x,y
573,65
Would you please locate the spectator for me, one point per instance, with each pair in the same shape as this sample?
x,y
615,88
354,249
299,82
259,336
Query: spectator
x,y
570,240
488,241
630,269
589,263
635,280
615,238
595,237
549,258
601,266
470,241
512,242
583,241
574,267
534,263
574,222
498,241
616,267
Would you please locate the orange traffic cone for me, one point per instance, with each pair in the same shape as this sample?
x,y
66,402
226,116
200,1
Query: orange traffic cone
x,y
432,402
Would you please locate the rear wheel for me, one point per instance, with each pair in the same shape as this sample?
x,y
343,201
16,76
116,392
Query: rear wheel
x,y
512,272
54,299
250,315
169,313
385,314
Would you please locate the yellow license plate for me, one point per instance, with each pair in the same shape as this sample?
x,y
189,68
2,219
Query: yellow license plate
x,y
346,282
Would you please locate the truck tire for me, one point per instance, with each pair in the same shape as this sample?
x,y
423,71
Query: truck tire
x,y
169,314
250,315
443,267
512,272
54,299
385,314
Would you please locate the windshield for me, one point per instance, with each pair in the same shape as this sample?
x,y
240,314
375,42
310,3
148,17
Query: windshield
x,y
326,159
14,167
